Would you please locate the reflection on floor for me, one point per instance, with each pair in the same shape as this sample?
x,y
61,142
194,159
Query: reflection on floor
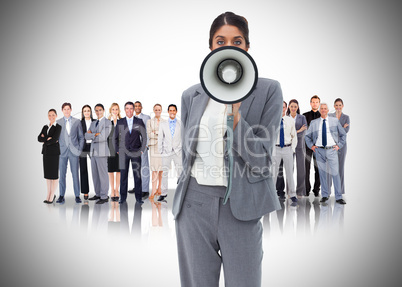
x,y
153,220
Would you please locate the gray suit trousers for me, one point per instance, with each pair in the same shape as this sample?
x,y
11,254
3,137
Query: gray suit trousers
x,y
100,176
208,235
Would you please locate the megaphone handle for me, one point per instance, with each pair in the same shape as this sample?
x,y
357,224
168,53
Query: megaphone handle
x,y
229,138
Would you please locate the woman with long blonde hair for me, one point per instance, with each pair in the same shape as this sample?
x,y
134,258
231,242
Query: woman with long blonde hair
x,y
113,160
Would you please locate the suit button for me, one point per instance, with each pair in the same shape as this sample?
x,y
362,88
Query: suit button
x,y
188,205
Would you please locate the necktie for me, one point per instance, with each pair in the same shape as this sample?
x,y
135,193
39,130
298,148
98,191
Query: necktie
x,y
97,122
68,126
282,136
130,125
324,134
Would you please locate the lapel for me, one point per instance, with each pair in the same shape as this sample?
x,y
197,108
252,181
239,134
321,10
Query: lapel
x,y
245,105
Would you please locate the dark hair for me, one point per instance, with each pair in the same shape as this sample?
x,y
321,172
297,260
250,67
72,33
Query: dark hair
x,y
129,103
286,104
229,18
100,105
137,102
52,110
172,105
338,100
66,104
315,97
297,103
82,111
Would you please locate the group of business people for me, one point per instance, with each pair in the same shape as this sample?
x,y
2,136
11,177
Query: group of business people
x,y
315,135
111,144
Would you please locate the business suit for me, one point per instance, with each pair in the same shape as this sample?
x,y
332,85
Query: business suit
x,y
300,155
99,154
310,115
50,150
327,159
129,146
204,226
170,149
144,158
84,180
344,119
71,145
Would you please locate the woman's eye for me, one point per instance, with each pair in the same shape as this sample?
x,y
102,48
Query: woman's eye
x,y
237,42
220,42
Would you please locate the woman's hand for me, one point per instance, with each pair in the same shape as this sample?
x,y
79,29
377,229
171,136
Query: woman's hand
x,y
345,126
49,138
42,135
303,128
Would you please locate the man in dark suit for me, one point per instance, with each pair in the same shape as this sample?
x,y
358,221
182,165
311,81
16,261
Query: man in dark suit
x,y
130,140
312,115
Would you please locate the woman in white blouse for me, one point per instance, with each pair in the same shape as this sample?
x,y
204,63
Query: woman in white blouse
x,y
155,157
210,231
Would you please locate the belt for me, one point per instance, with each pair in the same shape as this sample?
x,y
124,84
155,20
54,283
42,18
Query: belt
x,y
327,147
286,145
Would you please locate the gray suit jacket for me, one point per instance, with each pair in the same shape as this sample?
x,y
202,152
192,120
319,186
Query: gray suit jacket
x,y
99,145
337,131
165,141
300,120
343,120
75,141
145,119
253,191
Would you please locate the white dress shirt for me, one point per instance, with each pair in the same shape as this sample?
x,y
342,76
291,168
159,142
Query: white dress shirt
x,y
88,124
290,133
209,165
330,139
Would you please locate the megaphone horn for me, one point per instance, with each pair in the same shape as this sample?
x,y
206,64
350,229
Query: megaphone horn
x,y
228,75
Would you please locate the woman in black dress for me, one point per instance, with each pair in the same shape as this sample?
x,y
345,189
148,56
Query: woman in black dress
x,y
49,136
113,159
86,120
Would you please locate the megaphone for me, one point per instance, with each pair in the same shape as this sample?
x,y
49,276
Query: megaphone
x,y
228,75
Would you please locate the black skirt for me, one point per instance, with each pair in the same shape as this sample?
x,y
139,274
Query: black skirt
x,y
113,163
51,166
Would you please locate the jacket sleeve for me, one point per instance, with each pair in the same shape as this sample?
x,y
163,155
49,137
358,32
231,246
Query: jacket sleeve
x,y
144,137
348,122
308,138
293,134
116,137
342,136
90,136
255,144
81,139
40,138
103,134
160,138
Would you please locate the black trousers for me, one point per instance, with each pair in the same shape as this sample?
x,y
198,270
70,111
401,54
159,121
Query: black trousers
x,y
84,172
310,154
136,166
280,182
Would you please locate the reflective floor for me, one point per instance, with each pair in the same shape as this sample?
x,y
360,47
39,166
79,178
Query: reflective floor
x,y
153,220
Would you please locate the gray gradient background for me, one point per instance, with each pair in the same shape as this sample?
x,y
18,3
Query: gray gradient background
x,y
106,51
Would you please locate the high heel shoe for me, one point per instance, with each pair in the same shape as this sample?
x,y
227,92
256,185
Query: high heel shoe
x,y
50,202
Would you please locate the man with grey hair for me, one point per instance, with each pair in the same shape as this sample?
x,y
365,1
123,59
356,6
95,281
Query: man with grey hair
x,y
325,137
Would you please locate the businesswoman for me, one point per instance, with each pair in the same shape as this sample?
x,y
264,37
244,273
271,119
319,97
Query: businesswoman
x,y
86,120
300,152
49,136
210,233
113,159
156,158
344,120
